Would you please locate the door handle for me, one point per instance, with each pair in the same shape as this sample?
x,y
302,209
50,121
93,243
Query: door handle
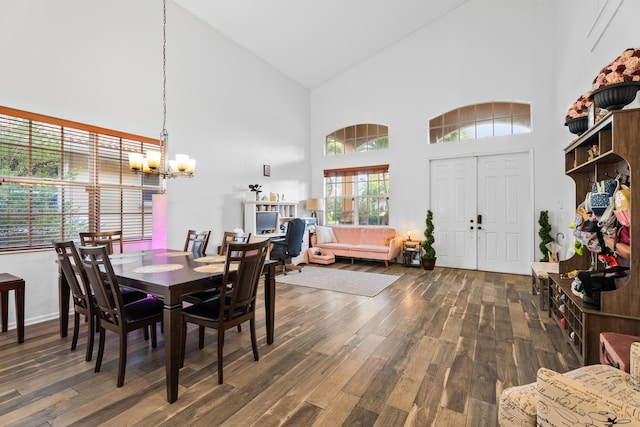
x,y
479,219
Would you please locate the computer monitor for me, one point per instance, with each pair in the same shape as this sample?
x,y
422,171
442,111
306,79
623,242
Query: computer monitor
x,y
266,222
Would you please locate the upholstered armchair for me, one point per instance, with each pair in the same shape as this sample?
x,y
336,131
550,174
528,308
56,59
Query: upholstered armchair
x,y
594,395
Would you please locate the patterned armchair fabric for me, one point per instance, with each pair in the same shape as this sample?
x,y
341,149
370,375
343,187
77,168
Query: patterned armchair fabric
x,y
594,395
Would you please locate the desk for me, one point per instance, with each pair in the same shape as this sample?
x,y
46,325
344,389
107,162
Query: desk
x,y
171,287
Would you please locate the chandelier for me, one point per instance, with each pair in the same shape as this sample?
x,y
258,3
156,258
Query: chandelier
x,y
155,162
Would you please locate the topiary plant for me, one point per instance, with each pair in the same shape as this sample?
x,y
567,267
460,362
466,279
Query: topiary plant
x,y
545,235
427,243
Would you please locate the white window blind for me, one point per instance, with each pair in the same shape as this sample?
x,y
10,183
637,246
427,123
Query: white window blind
x,y
59,178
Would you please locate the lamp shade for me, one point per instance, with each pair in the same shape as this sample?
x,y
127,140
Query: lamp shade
x,y
315,204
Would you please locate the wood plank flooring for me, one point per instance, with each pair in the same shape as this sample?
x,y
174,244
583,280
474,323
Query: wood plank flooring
x,y
433,349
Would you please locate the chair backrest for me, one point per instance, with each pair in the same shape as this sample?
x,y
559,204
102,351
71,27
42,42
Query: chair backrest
x,y
240,297
294,236
74,273
197,241
102,238
103,283
231,237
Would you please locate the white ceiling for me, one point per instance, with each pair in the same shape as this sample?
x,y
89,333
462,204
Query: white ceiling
x,y
313,41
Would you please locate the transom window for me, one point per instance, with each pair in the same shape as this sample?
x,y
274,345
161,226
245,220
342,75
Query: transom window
x,y
58,178
357,138
357,196
481,121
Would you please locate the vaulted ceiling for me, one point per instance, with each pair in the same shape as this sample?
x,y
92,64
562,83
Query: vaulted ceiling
x,y
313,41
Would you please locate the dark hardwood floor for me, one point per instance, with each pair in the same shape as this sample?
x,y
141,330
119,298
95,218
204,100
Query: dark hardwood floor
x,y
433,349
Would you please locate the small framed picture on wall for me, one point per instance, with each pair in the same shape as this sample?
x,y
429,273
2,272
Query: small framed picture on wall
x,y
266,170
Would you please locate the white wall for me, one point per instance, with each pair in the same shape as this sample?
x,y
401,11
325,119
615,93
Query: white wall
x,y
101,63
485,50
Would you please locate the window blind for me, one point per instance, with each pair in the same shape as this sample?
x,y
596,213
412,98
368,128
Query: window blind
x,y
59,177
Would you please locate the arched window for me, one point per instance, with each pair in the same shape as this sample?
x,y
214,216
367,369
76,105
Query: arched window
x,y
357,138
481,121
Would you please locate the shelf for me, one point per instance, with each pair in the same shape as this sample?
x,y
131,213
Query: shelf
x,y
411,251
616,138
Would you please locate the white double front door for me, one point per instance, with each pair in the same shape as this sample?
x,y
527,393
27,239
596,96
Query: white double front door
x,y
482,208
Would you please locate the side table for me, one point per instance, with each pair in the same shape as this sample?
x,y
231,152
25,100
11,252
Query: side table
x,y
411,250
9,282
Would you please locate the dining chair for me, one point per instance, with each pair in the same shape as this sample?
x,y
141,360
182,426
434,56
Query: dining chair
x,y
236,303
112,313
76,276
232,236
197,242
105,238
229,237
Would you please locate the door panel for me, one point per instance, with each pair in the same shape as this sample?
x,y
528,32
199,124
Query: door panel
x,y
453,192
494,190
504,201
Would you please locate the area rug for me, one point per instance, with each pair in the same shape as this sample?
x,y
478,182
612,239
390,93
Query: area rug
x,y
347,281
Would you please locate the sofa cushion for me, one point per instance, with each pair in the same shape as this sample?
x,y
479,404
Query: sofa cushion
x,y
599,393
370,248
350,235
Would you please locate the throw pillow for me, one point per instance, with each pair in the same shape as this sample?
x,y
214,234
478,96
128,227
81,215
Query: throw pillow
x,y
389,239
325,235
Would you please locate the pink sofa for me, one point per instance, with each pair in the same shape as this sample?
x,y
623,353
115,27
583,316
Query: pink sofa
x,y
360,242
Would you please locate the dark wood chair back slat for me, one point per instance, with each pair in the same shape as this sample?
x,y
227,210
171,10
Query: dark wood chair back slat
x,y
102,238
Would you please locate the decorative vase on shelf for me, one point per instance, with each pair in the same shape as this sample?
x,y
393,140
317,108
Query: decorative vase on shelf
x,y
615,96
578,125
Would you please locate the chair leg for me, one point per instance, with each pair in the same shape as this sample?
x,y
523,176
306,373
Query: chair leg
x,y
154,335
90,338
122,364
254,343
200,337
76,329
183,343
100,350
146,333
220,345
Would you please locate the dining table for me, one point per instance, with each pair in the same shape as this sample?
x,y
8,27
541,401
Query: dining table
x,y
170,275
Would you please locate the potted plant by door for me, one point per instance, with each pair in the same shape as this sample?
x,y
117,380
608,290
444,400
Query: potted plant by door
x,y
429,255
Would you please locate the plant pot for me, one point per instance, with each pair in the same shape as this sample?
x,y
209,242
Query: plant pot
x,y
578,125
428,263
615,96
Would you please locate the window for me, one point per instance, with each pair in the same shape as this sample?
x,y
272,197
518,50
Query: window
x,y
481,121
357,196
357,138
60,178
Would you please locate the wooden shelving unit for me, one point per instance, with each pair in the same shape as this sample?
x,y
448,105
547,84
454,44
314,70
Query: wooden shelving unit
x,y
617,136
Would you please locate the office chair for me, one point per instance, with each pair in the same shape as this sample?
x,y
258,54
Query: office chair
x,y
289,247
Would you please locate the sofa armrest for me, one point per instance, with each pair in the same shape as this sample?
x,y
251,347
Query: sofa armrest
x,y
395,247
584,400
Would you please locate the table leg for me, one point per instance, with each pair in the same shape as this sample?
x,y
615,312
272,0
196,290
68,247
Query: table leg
x,y
172,319
5,310
20,311
270,299
63,300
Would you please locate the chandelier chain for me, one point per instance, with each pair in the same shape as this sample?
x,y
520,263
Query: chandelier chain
x,y
164,68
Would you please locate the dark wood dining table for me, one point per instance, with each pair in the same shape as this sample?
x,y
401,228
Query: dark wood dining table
x,y
171,286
